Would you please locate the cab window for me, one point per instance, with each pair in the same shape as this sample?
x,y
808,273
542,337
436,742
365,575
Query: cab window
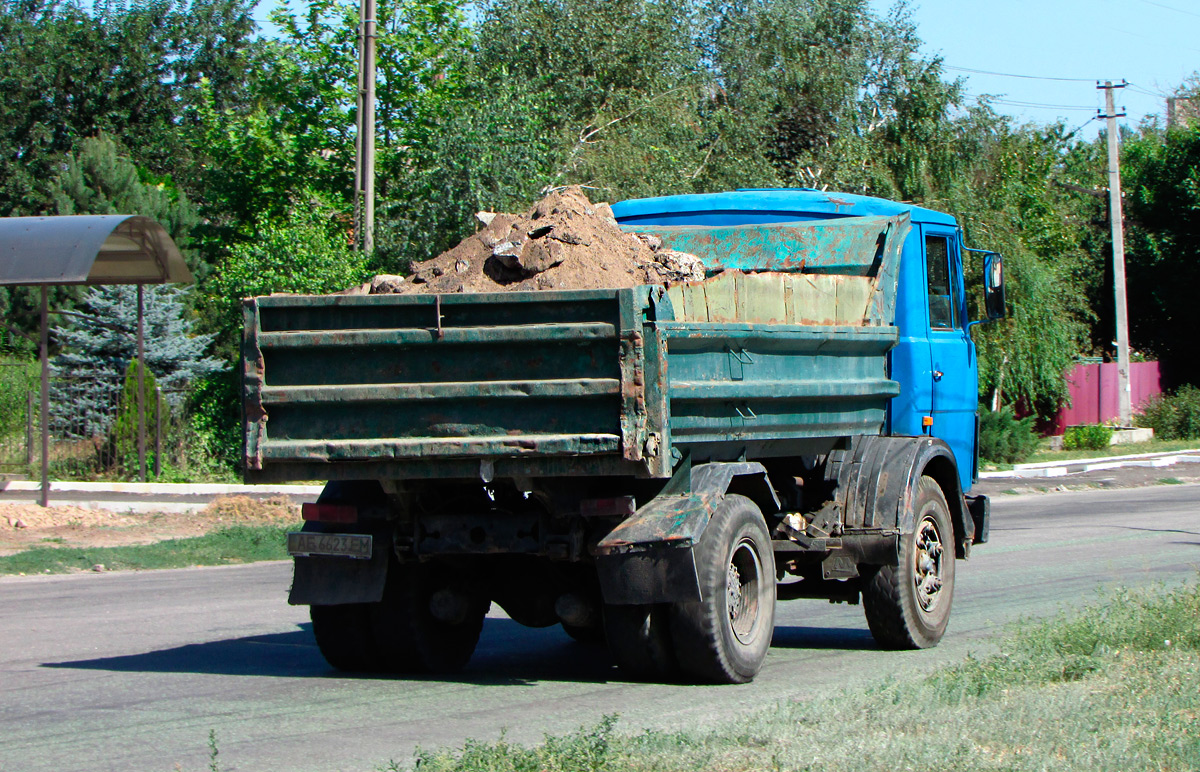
x,y
942,309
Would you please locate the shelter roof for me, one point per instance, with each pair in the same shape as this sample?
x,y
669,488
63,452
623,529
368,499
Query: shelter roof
x,y
88,249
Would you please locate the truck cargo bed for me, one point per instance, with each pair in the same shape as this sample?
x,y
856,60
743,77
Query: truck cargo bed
x,y
588,382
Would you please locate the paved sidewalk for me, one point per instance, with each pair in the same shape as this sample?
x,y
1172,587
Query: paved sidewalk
x,y
146,497
1063,468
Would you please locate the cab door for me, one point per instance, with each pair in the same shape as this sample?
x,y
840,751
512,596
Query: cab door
x,y
952,355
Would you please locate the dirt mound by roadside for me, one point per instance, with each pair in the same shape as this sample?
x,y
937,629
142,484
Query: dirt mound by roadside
x,y
243,510
563,242
28,525
17,517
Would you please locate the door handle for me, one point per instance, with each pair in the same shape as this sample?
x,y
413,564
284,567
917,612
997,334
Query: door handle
x,y
937,375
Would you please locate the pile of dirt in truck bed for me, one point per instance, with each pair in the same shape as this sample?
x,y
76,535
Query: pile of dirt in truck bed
x,y
563,242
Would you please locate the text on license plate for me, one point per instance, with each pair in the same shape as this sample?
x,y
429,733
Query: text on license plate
x,y
347,545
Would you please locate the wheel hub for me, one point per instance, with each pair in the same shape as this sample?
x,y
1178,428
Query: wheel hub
x,y
927,573
742,581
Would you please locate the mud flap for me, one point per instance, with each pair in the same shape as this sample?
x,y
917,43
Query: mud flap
x,y
648,557
331,581
657,575
981,513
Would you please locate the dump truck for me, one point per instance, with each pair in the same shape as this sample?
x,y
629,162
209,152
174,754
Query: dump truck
x,y
650,467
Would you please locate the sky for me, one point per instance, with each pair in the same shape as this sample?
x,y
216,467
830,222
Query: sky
x,y
1154,45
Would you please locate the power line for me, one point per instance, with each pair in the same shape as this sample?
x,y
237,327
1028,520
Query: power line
x,y
1020,103
1171,8
1147,92
1014,75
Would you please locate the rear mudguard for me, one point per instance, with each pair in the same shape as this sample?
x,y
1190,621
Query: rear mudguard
x,y
648,558
329,581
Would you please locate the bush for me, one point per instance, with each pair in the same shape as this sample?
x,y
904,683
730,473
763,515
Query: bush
x,y
1004,438
1087,437
1173,416
17,379
123,435
215,425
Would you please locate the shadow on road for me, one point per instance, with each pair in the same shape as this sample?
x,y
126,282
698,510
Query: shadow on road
x,y
791,637
508,654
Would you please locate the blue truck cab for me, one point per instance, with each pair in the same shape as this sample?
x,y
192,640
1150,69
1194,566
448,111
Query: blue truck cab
x,y
934,360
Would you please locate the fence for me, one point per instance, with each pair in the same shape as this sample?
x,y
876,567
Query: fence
x,y
1094,392
94,432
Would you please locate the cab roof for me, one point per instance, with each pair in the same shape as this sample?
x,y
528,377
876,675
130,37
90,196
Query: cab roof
x,y
759,205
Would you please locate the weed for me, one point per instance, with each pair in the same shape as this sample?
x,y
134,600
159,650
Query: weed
x,y
213,765
1087,437
1170,481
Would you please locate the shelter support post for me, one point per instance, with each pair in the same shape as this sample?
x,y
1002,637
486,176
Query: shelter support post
x,y
141,383
44,355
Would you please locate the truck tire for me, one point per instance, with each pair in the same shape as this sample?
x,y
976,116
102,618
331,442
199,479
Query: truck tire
x,y
908,605
639,641
588,636
344,636
724,637
408,637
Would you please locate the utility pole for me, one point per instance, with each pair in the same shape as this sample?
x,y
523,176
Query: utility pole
x,y
1125,391
364,141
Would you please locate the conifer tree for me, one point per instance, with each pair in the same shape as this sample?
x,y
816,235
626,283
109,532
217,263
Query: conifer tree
x,y
98,345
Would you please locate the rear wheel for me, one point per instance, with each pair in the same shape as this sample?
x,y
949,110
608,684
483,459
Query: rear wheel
x,y
344,636
724,637
589,636
908,605
639,640
408,635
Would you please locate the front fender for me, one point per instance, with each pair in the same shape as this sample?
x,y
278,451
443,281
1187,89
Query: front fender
x,y
877,479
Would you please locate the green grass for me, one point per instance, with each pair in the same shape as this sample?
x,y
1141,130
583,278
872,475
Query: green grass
x,y
237,544
1112,688
1133,448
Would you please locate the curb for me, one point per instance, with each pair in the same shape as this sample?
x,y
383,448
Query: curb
x,y
1064,468
164,489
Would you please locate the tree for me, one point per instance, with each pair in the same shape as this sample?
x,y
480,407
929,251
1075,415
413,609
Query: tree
x,y
1162,180
307,253
67,74
98,344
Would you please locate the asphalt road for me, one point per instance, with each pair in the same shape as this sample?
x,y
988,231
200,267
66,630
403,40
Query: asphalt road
x,y
131,671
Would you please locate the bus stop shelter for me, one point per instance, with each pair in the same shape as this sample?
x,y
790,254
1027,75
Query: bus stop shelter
x,y
89,250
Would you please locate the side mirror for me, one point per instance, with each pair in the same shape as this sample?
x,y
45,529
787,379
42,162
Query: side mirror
x,y
993,286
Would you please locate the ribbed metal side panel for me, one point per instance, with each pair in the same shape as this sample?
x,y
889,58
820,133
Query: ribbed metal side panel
x,y
739,385
345,380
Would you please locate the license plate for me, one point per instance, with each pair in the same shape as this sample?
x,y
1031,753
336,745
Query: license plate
x,y
343,545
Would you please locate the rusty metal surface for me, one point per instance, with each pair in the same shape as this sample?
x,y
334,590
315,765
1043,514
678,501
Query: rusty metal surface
x,y
734,383
386,382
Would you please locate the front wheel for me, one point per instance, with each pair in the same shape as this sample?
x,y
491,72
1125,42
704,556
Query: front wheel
x,y
724,637
908,605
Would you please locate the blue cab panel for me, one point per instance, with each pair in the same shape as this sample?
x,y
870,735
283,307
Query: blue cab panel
x,y
934,360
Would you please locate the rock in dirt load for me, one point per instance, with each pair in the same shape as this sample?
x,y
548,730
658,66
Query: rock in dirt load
x,y
563,242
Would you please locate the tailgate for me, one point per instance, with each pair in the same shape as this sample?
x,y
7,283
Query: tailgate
x,y
396,386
